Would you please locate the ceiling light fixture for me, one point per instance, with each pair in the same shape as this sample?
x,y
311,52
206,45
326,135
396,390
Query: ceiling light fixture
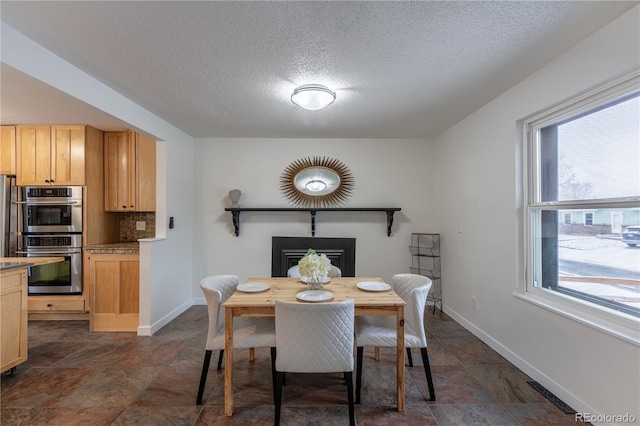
x,y
313,96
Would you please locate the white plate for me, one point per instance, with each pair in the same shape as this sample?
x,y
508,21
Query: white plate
x,y
325,280
315,296
253,287
373,286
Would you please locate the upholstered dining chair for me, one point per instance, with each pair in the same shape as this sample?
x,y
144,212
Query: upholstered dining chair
x,y
248,332
294,272
381,330
314,338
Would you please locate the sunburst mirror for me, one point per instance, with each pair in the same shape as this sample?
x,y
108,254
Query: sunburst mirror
x,y
317,182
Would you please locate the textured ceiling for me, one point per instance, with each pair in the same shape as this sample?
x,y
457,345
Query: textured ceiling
x,y
227,69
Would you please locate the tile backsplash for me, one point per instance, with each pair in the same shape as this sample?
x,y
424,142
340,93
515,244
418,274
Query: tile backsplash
x,y
128,225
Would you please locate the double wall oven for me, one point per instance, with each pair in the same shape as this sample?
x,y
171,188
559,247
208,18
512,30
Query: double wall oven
x,y
51,226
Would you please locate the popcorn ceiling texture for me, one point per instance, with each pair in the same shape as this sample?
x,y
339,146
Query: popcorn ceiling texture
x,y
128,221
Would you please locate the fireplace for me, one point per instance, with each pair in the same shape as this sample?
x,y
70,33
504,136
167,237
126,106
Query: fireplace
x,y
286,251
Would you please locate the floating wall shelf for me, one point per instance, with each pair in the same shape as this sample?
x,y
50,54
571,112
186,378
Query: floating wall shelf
x,y
235,212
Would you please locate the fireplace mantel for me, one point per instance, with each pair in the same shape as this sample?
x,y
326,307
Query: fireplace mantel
x,y
235,212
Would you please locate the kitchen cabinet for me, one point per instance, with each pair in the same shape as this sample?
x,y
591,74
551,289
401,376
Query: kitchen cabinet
x,y
50,155
13,318
114,281
130,172
7,150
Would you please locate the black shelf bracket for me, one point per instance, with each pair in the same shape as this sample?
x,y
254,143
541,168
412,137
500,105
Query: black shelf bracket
x,y
235,213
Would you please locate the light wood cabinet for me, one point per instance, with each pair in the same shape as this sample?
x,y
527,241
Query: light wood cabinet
x,y
130,172
7,150
13,318
114,281
50,155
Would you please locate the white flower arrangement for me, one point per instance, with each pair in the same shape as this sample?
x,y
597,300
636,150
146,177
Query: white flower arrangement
x,y
313,264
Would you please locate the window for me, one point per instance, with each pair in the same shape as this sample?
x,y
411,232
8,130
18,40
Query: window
x,y
588,219
582,159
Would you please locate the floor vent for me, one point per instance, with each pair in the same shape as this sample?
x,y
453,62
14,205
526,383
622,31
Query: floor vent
x,y
551,397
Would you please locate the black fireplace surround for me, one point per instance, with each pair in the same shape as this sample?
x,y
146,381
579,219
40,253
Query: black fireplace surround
x,y
286,251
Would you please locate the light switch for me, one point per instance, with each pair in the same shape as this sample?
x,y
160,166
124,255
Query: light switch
x,y
141,225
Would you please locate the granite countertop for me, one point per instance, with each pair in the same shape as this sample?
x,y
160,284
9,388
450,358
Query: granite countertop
x,y
126,247
8,263
7,266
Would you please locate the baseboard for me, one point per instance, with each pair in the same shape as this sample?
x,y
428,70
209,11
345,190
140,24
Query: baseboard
x,y
562,393
148,331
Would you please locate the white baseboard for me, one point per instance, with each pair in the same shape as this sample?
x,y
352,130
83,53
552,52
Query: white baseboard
x,y
148,331
554,387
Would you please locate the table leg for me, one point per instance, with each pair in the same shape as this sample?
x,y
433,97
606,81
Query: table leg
x,y
400,357
228,362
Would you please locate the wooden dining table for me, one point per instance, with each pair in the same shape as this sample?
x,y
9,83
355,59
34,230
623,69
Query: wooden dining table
x,y
263,304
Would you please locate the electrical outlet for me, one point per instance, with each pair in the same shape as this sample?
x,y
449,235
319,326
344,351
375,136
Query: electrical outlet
x,y
141,225
474,304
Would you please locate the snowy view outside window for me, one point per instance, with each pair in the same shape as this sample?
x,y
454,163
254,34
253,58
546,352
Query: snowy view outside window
x,y
586,196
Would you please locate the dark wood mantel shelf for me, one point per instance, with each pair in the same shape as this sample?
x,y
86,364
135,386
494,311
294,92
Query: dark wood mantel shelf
x,y
236,213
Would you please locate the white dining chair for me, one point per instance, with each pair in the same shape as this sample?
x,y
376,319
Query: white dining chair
x,y
381,330
248,332
294,272
314,338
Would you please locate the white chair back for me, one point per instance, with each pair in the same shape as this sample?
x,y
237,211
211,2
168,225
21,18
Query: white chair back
x,y
314,338
217,289
413,289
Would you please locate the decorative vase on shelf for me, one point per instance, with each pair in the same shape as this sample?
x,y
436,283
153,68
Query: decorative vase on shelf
x,y
315,282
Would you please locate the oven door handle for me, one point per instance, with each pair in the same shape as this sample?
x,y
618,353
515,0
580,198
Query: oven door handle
x,y
54,252
57,203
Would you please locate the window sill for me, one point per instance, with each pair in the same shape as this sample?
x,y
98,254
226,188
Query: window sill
x,y
619,325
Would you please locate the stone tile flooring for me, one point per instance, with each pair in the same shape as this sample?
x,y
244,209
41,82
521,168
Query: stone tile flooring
x,y
74,377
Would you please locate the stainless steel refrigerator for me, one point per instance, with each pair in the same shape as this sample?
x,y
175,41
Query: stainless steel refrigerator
x,y
8,215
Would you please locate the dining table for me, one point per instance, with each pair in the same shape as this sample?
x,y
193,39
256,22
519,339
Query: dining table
x,y
257,297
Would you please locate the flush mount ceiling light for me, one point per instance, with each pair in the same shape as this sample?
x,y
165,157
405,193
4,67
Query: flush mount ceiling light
x,y
313,96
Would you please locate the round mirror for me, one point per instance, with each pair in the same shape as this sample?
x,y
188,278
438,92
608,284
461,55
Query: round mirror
x,y
317,182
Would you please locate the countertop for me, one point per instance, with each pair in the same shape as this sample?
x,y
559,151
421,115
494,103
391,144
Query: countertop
x,y
8,263
127,247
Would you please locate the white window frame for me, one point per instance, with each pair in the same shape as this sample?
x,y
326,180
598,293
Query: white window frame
x,y
566,215
621,325
584,218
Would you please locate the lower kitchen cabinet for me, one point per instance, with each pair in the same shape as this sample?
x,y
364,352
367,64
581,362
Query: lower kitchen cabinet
x,y
114,281
13,318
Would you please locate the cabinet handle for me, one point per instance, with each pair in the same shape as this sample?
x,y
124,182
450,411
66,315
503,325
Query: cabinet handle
x,y
52,181
47,180
49,305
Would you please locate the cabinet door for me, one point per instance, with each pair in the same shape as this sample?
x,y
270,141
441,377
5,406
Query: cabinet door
x,y
115,292
67,155
33,155
145,174
7,150
119,171
13,318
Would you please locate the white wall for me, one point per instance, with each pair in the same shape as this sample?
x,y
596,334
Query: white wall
x,y
478,190
388,173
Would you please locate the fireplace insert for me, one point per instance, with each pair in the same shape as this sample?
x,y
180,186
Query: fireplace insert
x,y
286,251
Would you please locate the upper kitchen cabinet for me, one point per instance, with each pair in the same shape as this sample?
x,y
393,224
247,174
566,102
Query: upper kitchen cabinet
x,y
7,150
50,155
130,172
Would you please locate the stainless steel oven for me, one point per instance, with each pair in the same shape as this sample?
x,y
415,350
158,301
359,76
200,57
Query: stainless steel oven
x,y
50,209
55,278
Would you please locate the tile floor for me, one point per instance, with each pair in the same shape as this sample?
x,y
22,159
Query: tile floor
x,y
74,377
